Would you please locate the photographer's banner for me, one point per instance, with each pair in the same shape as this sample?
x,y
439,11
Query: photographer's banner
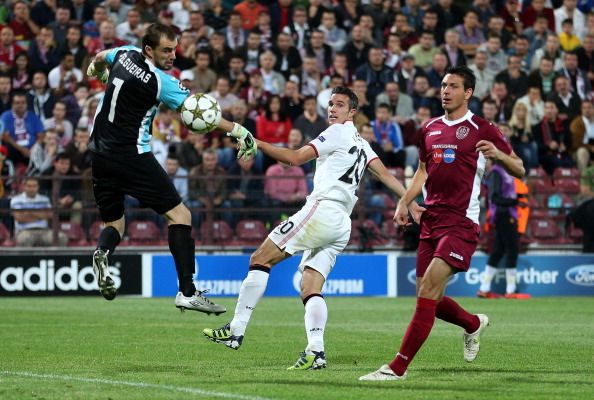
x,y
353,275
65,275
538,275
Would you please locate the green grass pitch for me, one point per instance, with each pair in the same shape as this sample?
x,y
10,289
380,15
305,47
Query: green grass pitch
x,y
132,348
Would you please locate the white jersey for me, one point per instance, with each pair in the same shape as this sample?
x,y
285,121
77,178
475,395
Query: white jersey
x,y
343,156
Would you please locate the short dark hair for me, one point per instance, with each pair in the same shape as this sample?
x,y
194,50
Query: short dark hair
x,y
466,74
153,35
353,99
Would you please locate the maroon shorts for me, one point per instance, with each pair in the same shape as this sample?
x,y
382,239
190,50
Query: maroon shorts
x,y
449,237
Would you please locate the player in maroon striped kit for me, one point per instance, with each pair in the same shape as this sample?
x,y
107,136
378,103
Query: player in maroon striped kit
x,y
453,152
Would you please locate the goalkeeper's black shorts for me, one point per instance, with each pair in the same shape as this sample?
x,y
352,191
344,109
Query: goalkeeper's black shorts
x,y
140,176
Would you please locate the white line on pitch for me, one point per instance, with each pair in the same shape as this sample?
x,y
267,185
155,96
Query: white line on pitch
x,y
132,384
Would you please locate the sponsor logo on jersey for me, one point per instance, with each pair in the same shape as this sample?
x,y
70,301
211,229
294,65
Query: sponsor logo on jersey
x,y
434,133
444,146
449,156
437,156
462,132
581,275
321,138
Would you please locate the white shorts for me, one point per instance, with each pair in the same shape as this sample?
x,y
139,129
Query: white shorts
x,y
321,229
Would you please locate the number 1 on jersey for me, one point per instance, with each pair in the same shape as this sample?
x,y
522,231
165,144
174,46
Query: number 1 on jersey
x,y
117,82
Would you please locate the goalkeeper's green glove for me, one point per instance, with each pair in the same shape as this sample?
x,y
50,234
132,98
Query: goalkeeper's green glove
x,y
101,75
246,143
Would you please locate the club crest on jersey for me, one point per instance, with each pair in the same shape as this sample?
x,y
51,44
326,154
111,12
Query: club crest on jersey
x,y
462,132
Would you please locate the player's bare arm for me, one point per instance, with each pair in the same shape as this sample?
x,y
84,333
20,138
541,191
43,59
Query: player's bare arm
x,y
414,190
378,169
287,156
512,164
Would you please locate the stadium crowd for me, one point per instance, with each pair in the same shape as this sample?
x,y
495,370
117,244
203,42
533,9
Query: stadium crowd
x,y
272,65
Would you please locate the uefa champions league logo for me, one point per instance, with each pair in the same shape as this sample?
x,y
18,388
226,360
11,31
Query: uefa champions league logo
x,y
462,132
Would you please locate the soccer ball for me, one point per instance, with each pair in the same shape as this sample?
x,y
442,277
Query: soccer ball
x,y
201,113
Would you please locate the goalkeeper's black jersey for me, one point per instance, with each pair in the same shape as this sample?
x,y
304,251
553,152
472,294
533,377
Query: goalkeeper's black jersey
x,y
124,117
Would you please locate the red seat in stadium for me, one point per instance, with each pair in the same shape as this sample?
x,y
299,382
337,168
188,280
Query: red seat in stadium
x,y
251,231
144,233
575,233
95,230
370,229
566,173
538,172
546,231
391,231
542,186
219,232
569,185
75,233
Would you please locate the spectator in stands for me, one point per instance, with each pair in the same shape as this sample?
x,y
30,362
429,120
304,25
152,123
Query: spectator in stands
x,y
521,49
235,35
20,75
178,175
489,110
190,151
78,151
515,80
73,44
288,59
552,50
430,21
543,77
320,51
166,18
567,38
31,212
521,137
274,82
569,10
106,39
249,11
61,23
285,186
203,77
503,101
496,58
199,29
425,96
43,51
366,107
437,71
389,136
273,125
292,100
223,95
220,53
401,104
65,77
207,185
254,95
568,103
534,105
553,138
537,35
484,77
414,12
216,15
585,55
535,10
582,135
356,49
424,50
148,10
310,78
181,12
132,29
43,153
580,84
348,13
393,51
470,33
496,26
250,52
334,36
88,112
5,93
310,123
60,124
81,11
452,50
324,96
238,79
511,16
21,129
8,49
402,29
7,176
299,28
246,189
22,24
374,73
62,184
408,71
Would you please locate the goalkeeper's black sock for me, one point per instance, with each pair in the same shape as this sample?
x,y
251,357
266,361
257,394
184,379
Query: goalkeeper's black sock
x,y
108,240
181,244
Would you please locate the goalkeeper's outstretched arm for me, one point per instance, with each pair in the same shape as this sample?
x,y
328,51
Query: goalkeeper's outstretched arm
x,y
98,67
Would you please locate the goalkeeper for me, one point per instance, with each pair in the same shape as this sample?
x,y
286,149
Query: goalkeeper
x,y
122,161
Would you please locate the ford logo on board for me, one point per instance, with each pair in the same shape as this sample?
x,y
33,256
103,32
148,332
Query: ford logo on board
x,y
582,275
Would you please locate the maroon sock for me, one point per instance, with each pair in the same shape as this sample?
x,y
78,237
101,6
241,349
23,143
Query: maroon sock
x,y
450,311
417,332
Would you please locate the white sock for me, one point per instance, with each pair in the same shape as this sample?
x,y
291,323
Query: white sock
x,y
510,278
488,276
316,315
252,290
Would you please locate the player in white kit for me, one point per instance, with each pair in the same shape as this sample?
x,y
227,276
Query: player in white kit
x,y
321,228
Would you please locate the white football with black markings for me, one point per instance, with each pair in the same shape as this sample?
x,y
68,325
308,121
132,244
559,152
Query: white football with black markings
x,y
200,113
